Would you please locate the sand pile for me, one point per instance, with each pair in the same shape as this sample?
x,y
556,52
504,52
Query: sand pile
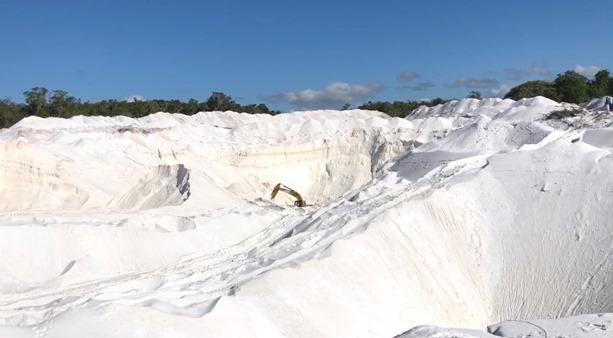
x,y
466,214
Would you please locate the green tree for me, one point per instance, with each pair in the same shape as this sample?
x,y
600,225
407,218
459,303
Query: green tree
x,y
106,108
136,108
219,101
599,87
572,87
255,109
36,100
191,107
397,108
435,102
475,94
10,113
532,89
61,103
156,106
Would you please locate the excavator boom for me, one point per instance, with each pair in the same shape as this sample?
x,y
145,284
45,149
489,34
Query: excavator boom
x,y
280,187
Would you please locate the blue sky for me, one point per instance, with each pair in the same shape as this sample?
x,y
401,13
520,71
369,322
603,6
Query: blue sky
x,y
293,55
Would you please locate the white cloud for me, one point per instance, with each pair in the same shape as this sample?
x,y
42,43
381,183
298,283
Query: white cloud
x,y
473,83
514,73
420,87
500,90
132,98
543,71
333,96
407,76
587,71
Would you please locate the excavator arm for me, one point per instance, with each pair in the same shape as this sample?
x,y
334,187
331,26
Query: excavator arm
x,y
280,187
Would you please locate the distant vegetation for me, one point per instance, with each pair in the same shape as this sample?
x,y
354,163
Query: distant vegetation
x,y
570,87
58,103
400,108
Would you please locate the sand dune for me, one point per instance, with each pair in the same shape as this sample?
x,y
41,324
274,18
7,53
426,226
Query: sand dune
x,y
464,215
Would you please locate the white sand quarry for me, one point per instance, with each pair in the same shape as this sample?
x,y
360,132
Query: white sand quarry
x,y
466,215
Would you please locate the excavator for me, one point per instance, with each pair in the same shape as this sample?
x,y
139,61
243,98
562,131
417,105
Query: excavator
x,y
280,187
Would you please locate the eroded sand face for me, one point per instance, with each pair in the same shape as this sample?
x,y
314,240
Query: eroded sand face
x,y
468,214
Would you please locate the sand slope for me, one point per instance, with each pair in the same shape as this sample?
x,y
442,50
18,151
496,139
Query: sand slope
x,y
466,214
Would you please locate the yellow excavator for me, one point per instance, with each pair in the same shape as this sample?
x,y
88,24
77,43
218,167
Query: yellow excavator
x,y
280,187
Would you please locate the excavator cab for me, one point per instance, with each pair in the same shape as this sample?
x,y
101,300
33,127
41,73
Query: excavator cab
x,y
301,203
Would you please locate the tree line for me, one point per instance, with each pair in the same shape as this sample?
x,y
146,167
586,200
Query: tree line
x,y
58,103
400,108
569,86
